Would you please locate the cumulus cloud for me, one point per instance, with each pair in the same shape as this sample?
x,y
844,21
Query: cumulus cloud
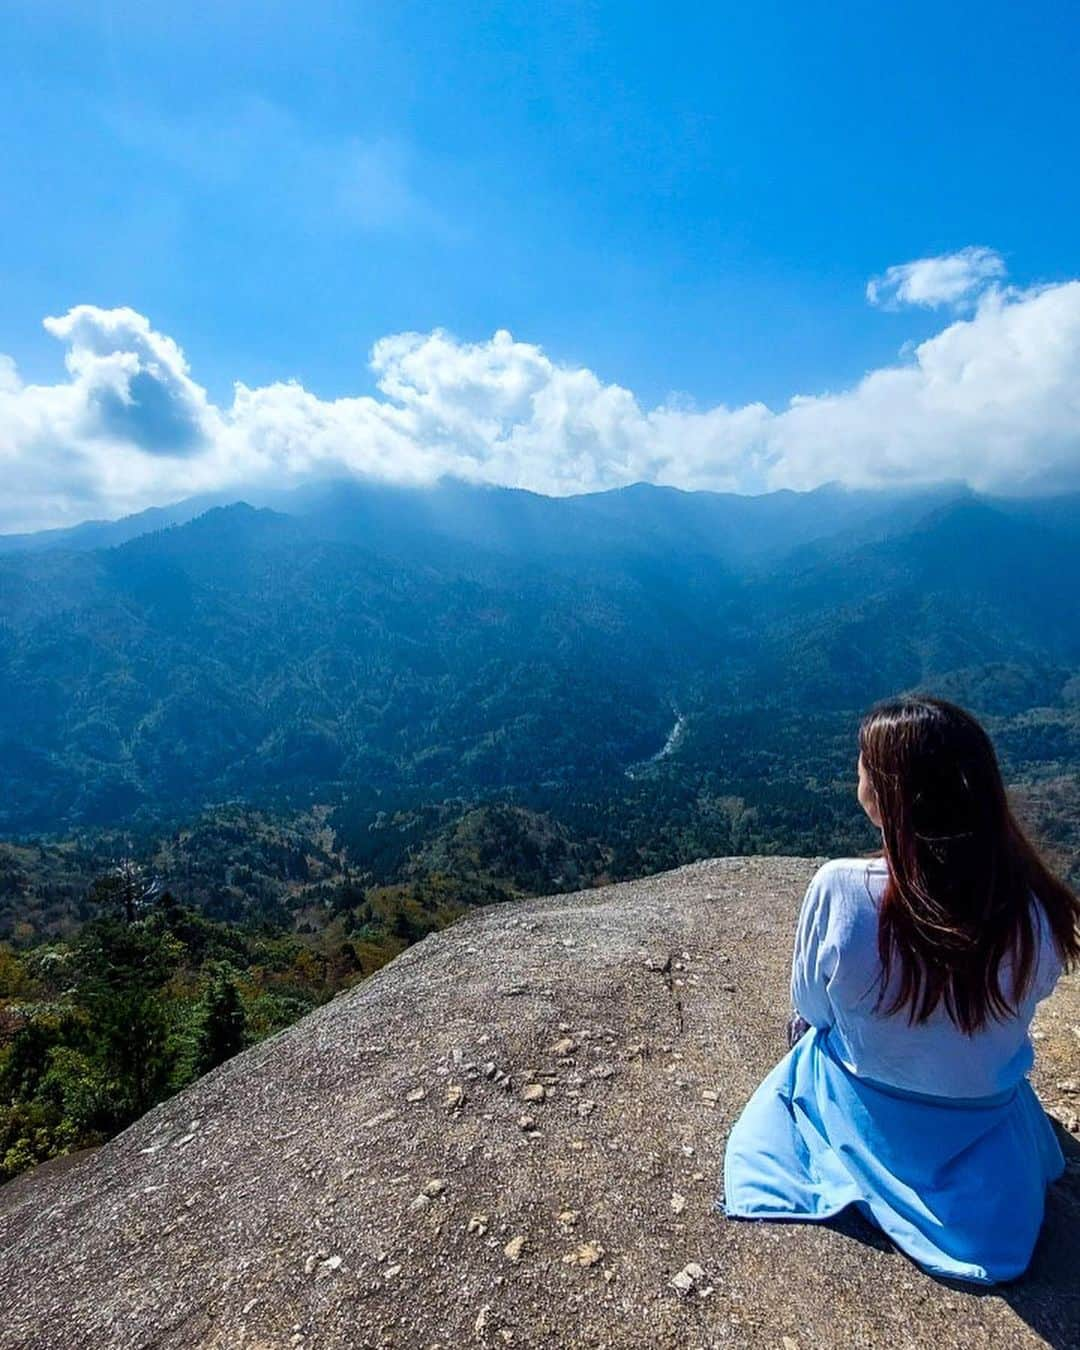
x,y
134,383
951,279
992,399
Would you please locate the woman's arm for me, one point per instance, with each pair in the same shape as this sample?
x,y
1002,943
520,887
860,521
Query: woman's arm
x,y
814,959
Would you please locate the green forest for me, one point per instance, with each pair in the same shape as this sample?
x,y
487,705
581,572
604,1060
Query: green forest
x,y
146,993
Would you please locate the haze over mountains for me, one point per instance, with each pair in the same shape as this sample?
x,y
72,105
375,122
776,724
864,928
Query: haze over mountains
x,y
722,524
352,639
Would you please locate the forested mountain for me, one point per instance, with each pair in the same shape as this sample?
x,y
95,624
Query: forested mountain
x,y
420,644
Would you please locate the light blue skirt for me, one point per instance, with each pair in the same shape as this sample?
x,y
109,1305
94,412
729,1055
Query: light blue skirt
x,y
958,1184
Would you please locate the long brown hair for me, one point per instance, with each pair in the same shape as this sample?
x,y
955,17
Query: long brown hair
x,y
961,870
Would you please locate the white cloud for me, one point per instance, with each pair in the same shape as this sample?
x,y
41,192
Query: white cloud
x,y
134,382
949,279
992,399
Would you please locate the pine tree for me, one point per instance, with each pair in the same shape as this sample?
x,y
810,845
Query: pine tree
x,y
121,969
222,1023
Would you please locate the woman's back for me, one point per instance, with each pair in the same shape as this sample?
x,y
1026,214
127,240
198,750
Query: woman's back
x,y
835,981
911,1101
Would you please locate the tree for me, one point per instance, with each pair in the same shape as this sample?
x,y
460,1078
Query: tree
x,y
126,891
25,1060
122,967
222,1023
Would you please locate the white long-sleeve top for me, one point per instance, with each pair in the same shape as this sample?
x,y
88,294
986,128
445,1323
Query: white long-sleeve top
x,y
834,983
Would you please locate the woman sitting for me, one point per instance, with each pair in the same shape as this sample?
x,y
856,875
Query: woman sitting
x,y
916,973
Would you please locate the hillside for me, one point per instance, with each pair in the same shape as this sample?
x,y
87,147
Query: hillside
x,y
510,1136
391,648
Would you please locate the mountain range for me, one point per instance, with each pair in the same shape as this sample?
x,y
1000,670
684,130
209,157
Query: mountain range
x,y
353,641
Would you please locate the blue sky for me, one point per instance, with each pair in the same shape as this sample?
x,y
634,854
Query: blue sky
x,y
683,200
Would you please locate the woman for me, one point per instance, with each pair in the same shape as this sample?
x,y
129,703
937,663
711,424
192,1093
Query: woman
x,y
917,971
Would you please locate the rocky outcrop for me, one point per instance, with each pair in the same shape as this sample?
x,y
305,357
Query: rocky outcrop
x,y
511,1136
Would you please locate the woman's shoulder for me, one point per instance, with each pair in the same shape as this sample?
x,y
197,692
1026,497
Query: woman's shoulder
x,y
843,872
848,889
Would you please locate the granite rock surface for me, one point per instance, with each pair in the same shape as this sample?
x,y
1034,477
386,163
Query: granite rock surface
x,y
510,1136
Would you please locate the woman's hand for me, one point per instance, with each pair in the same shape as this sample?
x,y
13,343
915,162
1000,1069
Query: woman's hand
x,y
797,1027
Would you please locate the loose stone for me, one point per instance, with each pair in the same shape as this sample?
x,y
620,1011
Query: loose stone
x,y
587,1254
688,1279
